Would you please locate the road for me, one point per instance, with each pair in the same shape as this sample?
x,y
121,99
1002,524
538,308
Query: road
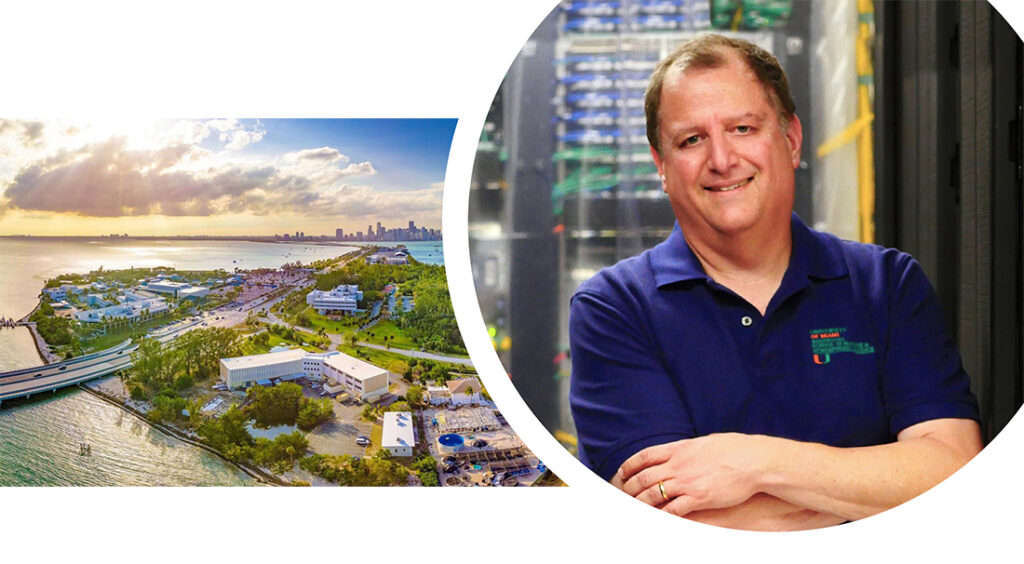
x,y
25,382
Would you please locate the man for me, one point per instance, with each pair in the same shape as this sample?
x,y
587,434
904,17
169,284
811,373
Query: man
x,y
748,371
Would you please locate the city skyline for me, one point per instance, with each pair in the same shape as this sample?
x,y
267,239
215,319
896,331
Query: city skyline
x,y
411,232
220,177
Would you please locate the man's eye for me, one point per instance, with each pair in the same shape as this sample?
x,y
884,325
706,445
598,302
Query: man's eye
x,y
743,129
691,141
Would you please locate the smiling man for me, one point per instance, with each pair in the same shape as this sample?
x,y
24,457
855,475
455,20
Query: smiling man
x,y
749,371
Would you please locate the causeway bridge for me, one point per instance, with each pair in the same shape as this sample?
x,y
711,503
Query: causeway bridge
x,y
51,377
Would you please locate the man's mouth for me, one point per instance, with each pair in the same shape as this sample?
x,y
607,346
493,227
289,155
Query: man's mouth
x,y
729,188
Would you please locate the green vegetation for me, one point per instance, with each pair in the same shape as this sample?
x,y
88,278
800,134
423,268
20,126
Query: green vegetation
x,y
284,404
386,332
194,357
56,330
280,454
415,395
348,470
430,325
426,468
229,435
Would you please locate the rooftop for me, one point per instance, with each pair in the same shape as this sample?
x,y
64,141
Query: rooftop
x,y
353,366
398,430
264,359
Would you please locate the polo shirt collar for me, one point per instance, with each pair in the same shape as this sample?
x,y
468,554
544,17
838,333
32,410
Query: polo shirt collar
x,y
815,255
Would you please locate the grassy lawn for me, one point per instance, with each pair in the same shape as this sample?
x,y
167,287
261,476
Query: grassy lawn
x,y
376,357
250,348
387,328
376,435
335,326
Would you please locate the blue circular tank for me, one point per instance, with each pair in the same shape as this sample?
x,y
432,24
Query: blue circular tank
x,y
450,442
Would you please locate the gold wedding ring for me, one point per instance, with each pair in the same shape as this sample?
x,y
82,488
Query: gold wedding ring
x,y
661,488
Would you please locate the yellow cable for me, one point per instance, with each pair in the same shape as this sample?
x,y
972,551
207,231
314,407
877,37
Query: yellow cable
x,y
865,148
845,136
737,18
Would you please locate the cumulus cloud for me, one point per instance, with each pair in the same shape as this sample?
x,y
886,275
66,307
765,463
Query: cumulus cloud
x,y
234,134
114,178
20,133
361,169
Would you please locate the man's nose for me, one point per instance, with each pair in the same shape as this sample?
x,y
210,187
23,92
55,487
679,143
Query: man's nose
x,y
723,154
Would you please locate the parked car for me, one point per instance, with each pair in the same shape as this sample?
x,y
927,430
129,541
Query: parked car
x,y
362,442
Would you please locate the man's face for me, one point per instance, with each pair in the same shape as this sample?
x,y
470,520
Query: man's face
x,y
726,163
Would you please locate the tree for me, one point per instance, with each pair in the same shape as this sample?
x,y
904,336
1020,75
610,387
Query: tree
x,y
369,413
414,395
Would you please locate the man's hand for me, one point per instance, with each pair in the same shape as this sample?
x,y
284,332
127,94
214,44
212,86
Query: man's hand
x,y
708,472
725,470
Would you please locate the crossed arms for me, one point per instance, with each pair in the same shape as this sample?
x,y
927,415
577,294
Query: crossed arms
x,y
768,483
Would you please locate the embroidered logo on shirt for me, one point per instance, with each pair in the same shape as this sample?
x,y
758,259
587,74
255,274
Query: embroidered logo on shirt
x,y
832,340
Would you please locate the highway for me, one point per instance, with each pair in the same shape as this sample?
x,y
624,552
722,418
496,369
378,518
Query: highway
x,y
51,377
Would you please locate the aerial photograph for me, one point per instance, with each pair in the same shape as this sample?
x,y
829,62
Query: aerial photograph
x,y
236,302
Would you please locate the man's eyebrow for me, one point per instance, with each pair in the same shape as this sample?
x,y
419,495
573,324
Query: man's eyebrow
x,y
687,129
757,116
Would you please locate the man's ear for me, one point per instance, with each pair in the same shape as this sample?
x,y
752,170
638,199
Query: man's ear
x,y
795,136
660,166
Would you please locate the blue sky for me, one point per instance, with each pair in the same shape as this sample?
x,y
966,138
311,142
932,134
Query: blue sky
x,y
220,176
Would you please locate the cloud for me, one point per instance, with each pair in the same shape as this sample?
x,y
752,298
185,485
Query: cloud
x,y
20,133
234,134
112,179
361,169
322,155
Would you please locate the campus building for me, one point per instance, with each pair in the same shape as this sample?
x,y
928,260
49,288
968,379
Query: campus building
x,y
398,435
244,370
165,287
340,372
363,380
388,257
455,392
344,298
127,310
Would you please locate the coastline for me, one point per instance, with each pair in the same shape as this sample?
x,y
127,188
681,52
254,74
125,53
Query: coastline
x,y
258,474
42,347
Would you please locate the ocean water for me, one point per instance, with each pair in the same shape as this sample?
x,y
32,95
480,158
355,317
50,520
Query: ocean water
x,y
40,437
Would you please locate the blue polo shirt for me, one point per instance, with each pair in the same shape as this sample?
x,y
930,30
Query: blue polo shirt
x,y
852,349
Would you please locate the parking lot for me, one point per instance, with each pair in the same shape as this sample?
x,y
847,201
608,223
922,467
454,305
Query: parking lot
x,y
338,436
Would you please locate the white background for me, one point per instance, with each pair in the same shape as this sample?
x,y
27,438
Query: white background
x,y
439,58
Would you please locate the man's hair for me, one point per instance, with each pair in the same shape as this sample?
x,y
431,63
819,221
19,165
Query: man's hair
x,y
710,51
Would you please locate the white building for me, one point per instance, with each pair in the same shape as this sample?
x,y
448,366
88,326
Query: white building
x,y
344,298
243,370
398,436
464,391
61,293
128,310
313,364
388,257
166,287
342,373
361,379
438,395
455,392
196,292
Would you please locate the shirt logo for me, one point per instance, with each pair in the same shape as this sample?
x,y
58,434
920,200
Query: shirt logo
x,y
832,340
